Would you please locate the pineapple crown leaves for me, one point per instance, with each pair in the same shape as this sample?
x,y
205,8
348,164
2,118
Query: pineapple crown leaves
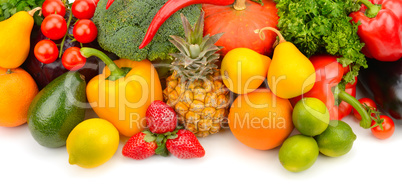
x,y
197,55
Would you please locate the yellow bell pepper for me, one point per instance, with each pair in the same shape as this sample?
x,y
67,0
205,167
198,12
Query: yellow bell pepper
x,y
123,92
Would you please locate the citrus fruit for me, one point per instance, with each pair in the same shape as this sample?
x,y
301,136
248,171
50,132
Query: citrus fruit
x,y
243,70
310,116
260,120
92,143
298,153
336,140
17,90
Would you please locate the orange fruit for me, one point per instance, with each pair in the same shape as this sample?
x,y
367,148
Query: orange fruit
x,y
17,90
261,120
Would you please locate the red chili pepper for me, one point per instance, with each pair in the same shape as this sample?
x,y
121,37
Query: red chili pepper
x,y
169,9
329,73
380,29
109,2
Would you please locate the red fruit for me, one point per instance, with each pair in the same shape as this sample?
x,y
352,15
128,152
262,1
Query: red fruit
x,y
388,128
161,118
137,148
185,146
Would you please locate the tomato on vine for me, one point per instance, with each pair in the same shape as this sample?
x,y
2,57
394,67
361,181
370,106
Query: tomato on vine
x,y
72,59
83,9
367,103
53,7
85,31
46,51
385,129
54,27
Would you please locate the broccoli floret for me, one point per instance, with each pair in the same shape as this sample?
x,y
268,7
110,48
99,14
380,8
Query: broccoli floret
x,y
122,28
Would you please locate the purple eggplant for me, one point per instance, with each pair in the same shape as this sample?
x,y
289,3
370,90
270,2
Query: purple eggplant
x,y
383,82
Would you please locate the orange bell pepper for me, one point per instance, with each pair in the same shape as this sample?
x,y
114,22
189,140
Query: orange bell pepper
x,y
123,92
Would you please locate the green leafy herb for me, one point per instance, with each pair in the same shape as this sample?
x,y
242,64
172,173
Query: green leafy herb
x,y
323,26
10,7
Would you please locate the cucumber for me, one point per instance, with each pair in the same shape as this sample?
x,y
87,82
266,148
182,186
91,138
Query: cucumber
x,y
57,109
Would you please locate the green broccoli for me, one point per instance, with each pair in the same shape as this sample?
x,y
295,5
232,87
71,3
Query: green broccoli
x,y
122,28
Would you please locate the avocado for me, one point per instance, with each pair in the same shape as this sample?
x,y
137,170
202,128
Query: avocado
x,y
57,109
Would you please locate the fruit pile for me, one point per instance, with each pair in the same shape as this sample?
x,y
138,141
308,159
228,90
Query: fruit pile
x,y
261,81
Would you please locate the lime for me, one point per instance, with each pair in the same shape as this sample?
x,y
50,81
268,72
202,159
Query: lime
x,y
337,140
92,143
310,116
298,153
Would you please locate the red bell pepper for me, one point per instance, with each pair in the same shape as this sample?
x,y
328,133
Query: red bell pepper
x,y
380,29
329,73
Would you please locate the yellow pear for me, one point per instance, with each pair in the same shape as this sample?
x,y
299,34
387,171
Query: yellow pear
x,y
15,35
291,73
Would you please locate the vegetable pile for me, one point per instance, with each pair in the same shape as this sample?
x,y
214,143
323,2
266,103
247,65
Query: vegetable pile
x,y
222,75
323,26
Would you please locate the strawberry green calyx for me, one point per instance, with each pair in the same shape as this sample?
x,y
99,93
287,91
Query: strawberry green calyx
x,y
161,140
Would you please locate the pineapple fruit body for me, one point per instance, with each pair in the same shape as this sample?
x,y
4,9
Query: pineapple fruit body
x,y
201,105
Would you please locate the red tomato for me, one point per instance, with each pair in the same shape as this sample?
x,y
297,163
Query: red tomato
x,y
46,51
83,9
365,102
388,128
53,7
85,31
72,59
54,27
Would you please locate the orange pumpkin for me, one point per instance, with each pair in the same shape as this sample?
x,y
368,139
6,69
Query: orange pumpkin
x,y
238,23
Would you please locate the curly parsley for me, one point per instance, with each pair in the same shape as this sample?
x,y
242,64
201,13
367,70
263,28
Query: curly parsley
x,y
323,26
10,7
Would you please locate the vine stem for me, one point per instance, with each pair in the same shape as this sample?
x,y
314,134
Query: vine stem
x,y
33,11
262,35
240,5
64,38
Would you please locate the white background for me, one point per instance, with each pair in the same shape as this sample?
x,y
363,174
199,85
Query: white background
x,y
371,162
227,163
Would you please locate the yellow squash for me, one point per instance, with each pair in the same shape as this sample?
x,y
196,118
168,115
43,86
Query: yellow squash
x,y
123,92
291,73
15,34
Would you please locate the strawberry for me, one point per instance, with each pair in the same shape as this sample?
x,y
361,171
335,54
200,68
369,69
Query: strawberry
x,y
185,146
140,146
161,118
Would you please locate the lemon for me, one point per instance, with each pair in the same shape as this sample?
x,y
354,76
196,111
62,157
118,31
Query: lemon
x,y
336,140
244,70
310,116
298,153
92,143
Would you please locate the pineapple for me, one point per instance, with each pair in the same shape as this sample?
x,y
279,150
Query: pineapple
x,y
195,89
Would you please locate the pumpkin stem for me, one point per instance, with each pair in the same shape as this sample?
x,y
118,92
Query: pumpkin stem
x,y
262,35
9,71
240,5
33,11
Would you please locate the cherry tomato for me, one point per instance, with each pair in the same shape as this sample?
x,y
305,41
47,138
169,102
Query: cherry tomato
x,y
85,31
72,59
83,9
46,51
53,7
388,128
365,102
54,27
